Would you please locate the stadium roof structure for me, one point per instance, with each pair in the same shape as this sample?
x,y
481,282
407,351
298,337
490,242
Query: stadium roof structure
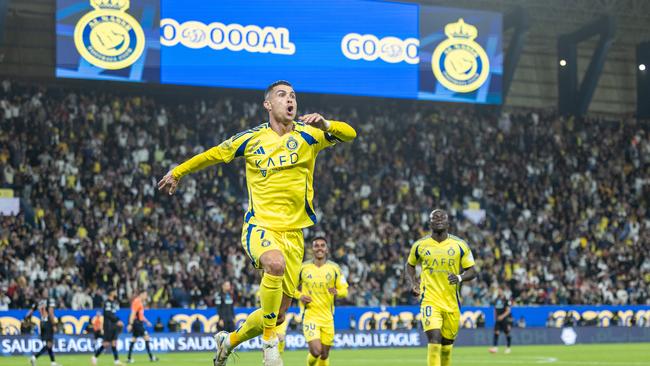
x,y
535,81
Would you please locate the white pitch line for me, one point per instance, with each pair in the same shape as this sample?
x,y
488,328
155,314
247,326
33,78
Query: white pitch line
x,y
547,360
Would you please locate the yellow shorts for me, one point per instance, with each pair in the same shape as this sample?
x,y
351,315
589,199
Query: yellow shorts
x,y
434,318
314,330
257,241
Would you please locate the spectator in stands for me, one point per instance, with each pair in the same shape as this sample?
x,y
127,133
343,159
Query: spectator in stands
x,y
4,299
480,321
159,326
196,326
521,323
172,325
26,327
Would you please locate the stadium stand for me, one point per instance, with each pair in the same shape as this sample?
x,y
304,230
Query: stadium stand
x,y
566,199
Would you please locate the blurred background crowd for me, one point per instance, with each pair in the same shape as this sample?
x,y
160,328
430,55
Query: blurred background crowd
x,y
555,210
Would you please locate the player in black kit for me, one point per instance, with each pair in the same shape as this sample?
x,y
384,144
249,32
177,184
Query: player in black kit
x,y
503,320
112,326
45,308
225,303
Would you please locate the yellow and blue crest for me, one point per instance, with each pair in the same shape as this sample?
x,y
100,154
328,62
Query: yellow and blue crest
x,y
459,63
292,143
108,37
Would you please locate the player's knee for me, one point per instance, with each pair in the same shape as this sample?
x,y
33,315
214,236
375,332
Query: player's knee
x,y
281,317
281,337
274,264
324,353
434,336
315,350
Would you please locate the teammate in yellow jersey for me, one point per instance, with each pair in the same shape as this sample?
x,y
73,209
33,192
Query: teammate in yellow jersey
x,y
446,261
280,157
320,283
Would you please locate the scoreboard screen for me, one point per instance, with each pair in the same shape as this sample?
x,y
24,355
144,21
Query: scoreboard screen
x,y
355,47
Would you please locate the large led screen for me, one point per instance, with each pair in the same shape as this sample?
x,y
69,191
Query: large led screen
x,y
356,47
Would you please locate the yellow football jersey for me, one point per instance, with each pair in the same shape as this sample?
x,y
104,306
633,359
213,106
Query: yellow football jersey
x,y
438,259
279,170
315,282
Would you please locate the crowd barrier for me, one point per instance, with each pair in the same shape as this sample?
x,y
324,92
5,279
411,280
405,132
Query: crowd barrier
x,y
203,342
75,322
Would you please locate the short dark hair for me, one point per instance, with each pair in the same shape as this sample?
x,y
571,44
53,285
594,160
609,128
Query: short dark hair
x,y
273,85
320,238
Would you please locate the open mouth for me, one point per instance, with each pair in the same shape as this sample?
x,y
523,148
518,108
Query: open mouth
x,y
290,109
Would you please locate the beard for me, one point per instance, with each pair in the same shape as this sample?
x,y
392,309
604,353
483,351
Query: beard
x,y
439,231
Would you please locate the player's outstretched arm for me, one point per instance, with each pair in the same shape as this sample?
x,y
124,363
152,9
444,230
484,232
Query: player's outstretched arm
x,y
340,130
215,155
168,183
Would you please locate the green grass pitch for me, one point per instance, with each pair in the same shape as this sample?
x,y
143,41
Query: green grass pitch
x,y
636,354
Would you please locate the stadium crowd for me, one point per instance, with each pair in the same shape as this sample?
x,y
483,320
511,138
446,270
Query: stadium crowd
x,y
555,209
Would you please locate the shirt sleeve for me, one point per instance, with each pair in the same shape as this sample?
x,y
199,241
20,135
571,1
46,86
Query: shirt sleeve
x,y
341,283
414,256
466,259
338,132
225,152
137,308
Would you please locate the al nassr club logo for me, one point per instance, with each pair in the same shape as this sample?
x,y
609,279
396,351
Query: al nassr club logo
x,y
459,63
108,37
